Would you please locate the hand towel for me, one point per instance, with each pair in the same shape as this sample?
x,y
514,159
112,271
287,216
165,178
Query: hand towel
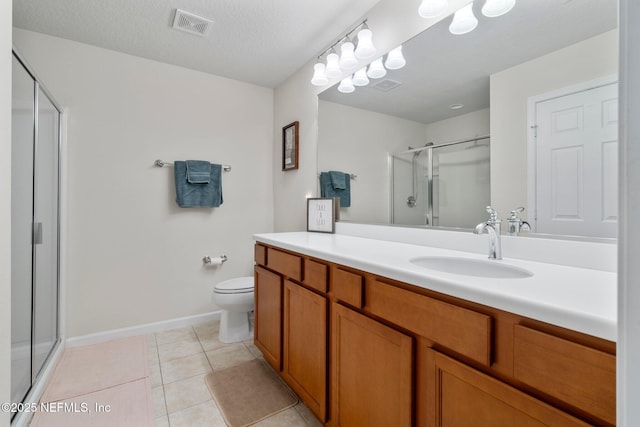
x,y
198,195
339,180
327,189
198,171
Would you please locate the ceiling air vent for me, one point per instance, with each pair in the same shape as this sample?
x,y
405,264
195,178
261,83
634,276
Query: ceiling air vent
x,y
386,85
190,23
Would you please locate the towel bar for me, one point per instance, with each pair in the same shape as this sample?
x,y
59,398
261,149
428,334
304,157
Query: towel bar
x,y
161,163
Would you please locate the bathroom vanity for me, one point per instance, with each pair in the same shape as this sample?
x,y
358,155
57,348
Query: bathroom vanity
x,y
366,336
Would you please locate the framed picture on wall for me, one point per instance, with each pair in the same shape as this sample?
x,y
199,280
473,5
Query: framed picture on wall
x,y
321,214
290,146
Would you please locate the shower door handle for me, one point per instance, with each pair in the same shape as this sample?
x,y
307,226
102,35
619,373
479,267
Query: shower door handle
x,y
37,233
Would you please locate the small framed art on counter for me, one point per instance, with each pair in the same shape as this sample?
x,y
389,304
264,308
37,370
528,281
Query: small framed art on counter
x,y
321,214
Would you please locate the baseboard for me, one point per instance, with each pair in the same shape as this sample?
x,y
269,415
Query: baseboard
x,y
145,329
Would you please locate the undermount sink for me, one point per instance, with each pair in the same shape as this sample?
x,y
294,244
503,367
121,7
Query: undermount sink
x,y
471,267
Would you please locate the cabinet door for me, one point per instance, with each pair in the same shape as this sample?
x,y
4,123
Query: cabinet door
x,y
305,346
268,316
372,372
465,397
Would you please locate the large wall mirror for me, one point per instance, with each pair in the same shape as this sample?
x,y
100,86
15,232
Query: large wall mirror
x,y
520,112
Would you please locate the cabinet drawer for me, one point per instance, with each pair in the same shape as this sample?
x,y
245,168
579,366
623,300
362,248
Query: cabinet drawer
x,y
348,287
459,329
315,275
284,263
581,376
260,254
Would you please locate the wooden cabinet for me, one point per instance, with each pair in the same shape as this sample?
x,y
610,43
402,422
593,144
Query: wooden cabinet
x,y
305,346
365,350
465,397
372,372
267,329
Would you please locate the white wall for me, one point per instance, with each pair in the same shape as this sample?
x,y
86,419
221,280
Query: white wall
x,y
464,126
133,256
587,60
392,23
359,141
5,207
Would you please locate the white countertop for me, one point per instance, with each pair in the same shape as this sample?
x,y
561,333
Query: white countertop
x,y
580,299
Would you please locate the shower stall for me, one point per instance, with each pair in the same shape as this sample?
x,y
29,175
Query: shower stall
x,y
35,152
444,185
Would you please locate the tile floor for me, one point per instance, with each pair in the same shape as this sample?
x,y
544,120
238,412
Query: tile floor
x,y
180,358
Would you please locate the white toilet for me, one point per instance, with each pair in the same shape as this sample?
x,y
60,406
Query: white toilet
x,y
235,299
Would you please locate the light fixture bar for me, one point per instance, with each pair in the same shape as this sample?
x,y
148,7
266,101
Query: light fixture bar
x,y
343,38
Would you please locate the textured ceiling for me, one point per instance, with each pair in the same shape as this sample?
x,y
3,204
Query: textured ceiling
x,y
256,41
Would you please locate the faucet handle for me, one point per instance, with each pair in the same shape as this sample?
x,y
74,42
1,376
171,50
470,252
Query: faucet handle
x,y
515,212
493,214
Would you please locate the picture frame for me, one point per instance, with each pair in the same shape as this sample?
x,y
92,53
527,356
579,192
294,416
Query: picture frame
x,y
290,146
321,214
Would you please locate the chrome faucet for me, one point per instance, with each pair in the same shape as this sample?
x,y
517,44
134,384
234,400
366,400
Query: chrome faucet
x,y
493,229
515,224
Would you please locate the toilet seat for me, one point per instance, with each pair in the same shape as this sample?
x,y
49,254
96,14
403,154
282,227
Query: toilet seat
x,y
240,285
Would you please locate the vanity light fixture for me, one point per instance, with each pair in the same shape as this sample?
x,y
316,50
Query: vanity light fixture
x,y
360,77
376,69
365,48
336,65
432,8
395,60
348,60
333,70
346,85
495,8
319,75
464,21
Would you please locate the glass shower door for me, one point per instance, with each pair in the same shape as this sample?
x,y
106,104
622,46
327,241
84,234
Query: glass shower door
x,y
45,199
22,153
35,145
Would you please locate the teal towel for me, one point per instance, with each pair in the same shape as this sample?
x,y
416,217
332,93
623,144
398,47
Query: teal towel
x,y
339,180
327,189
198,195
198,171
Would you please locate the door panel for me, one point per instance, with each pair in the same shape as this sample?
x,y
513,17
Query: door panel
x,y
45,286
22,152
576,163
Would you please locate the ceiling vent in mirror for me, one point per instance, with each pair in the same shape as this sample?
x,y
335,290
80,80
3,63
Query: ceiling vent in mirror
x,y
190,23
386,85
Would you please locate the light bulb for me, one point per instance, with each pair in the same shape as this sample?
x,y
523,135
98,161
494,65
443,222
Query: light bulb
x,y
365,48
348,60
432,8
319,77
333,65
360,77
376,69
494,8
395,60
463,21
346,85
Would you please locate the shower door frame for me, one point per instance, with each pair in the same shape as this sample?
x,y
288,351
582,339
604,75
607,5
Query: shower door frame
x,y
39,378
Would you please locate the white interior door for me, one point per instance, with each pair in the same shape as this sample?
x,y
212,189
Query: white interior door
x,y
576,163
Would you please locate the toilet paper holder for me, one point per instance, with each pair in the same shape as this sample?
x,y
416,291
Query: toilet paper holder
x,y
207,260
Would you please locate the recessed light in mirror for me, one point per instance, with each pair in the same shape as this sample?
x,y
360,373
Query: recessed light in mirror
x,y
456,106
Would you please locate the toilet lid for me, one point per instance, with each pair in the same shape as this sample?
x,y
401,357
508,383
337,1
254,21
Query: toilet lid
x,y
235,286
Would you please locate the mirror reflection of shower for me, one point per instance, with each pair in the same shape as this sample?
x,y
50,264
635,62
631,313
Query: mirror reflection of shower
x,y
448,183
413,198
